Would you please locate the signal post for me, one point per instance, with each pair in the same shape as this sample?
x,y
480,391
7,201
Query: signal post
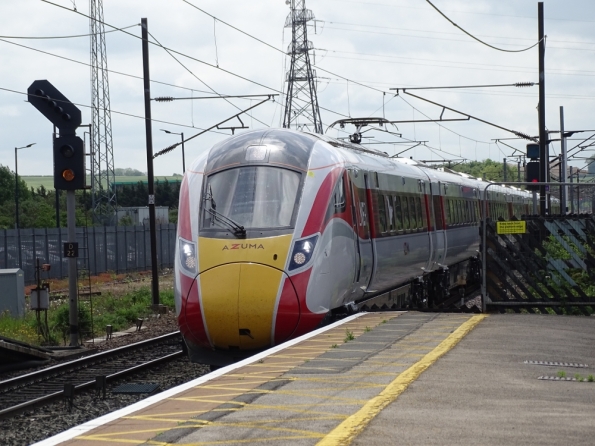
x,y
69,174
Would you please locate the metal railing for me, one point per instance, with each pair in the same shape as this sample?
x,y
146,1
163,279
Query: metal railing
x,y
118,249
484,294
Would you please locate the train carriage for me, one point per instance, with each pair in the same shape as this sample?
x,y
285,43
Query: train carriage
x,y
277,229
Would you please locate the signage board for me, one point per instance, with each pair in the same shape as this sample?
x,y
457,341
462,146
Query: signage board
x,y
511,227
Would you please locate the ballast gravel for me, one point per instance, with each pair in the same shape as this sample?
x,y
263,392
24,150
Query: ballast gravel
x,y
40,423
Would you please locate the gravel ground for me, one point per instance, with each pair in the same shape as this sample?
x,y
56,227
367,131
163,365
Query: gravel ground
x,y
37,424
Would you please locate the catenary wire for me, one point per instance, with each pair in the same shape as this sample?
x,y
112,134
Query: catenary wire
x,y
475,38
466,12
196,59
123,113
242,77
276,49
199,79
441,32
62,37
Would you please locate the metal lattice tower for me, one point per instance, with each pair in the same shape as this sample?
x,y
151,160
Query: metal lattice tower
x,y
301,100
102,156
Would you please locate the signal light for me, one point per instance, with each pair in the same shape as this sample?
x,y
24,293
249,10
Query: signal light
x,y
68,174
69,163
532,175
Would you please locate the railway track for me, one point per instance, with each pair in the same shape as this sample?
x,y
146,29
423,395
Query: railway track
x,y
46,385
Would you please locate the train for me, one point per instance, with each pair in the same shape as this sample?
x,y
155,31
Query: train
x,y
278,230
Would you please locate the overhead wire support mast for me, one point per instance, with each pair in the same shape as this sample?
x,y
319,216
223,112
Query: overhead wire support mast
x,y
223,96
301,84
103,177
237,115
444,107
516,84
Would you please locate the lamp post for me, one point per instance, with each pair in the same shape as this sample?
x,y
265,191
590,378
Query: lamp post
x,y
16,198
183,156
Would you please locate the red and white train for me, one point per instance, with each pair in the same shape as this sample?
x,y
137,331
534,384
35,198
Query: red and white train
x,y
278,229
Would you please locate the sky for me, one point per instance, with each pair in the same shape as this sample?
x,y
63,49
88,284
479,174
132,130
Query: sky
x,y
363,49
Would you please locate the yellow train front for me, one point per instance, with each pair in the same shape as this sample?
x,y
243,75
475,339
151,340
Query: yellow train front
x,y
238,242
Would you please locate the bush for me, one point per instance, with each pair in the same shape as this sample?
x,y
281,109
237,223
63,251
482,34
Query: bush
x,y
60,321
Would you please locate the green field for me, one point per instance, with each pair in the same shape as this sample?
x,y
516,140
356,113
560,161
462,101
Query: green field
x,y
47,181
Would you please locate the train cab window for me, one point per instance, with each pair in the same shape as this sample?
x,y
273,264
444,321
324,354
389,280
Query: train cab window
x,y
391,212
405,206
382,213
398,213
250,196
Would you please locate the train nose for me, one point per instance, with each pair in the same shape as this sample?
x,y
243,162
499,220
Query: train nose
x,y
239,301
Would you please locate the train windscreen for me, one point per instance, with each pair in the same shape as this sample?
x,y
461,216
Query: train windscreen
x,y
251,196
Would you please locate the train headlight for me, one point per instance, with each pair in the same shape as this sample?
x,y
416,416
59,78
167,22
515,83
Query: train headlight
x,y
302,252
187,253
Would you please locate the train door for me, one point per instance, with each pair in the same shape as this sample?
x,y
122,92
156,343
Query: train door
x,y
361,228
438,235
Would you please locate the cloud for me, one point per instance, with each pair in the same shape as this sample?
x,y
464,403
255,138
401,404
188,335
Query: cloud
x,y
376,44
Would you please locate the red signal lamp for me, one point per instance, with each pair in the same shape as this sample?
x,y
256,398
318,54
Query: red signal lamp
x,y
68,174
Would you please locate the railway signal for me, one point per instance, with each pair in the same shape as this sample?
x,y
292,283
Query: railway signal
x,y
69,171
55,106
69,163
532,168
532,174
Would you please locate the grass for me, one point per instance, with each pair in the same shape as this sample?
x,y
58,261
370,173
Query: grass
x,y
590,378
120,312
367,329
561,374
349,336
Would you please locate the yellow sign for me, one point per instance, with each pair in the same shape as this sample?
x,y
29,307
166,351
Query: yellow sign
x,y
511,227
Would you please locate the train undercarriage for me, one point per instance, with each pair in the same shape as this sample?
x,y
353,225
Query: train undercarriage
x,y
444,289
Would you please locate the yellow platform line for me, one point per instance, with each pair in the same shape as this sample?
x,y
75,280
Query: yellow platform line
x,y
345,432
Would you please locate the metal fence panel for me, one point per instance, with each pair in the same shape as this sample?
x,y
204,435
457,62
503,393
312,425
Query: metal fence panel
x,y
120,249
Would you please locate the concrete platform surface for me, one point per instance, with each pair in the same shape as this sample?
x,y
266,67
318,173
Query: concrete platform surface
x,y
380,379
483,392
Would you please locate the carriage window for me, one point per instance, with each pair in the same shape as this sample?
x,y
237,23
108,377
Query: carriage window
x,y
451,213
405,206
420,213
413,214
398,213
391,212
251,196
382,213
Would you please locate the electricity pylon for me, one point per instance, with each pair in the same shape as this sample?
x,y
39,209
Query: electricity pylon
x,y
300,99
102,154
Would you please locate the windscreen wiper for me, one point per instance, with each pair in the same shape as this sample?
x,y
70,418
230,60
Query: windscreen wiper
x,y
238,229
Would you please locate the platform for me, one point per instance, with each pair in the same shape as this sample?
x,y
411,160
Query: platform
x,y
382,378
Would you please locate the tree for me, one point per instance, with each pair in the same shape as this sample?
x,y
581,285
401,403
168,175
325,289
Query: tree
x,y
7,186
